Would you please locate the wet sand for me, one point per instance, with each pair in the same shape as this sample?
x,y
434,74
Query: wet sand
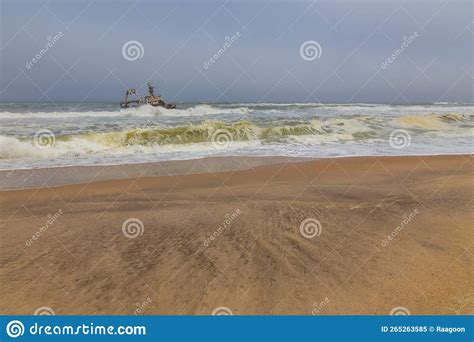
x,y
377,234
65,175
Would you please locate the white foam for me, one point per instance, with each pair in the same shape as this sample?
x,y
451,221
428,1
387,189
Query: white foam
x,y
308,129
142,111
201,110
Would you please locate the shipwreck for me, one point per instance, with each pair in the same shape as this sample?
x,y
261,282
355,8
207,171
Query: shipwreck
x,y
151,99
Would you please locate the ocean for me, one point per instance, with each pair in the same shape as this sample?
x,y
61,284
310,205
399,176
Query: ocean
x,y
46,135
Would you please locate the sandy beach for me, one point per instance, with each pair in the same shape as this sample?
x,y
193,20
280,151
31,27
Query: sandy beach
x,y
359,235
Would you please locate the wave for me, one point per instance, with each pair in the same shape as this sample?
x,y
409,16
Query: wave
x,y
142,111
432,122
202,110
202,136
237,131
236,109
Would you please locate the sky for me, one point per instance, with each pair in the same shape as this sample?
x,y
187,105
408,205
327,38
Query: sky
x,y
412,51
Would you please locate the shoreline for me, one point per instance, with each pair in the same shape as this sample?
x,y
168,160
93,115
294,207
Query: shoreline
x,y
42,177
383,232
38,178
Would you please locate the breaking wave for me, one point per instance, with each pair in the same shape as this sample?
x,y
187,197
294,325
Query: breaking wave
x,y
198,136
142,111
19,111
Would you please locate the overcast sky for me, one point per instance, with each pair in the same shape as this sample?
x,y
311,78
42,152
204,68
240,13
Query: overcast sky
x,y
263,61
